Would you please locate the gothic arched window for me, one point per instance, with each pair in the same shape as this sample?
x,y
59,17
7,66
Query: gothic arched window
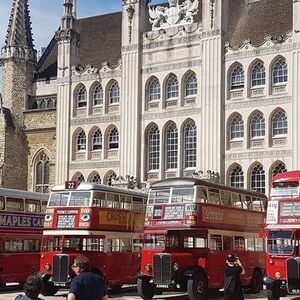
x,y
153,148
81,141
258,75
172,146
258,179
237,78
97,140
98,96
114,93
96,178
113,139
172,87
82,97
280,71
42,173
153,90
279,168
236,127
237,177
279,124
190,145
191,85
257,124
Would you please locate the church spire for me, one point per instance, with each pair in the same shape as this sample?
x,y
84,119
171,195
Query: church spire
x,y
19,41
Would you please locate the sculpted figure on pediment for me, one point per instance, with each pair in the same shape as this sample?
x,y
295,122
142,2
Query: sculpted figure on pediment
x,y
176,14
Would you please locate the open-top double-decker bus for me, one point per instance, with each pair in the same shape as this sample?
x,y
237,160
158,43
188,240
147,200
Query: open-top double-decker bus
x,y
21,227
101,222
191,226
283,236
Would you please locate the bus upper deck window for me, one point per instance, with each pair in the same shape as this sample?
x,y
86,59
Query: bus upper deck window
x,y
113,200
256,204
159,196
137,204
59,199
32,205
99,199
201,194
182,194
14,204
213,196
2,202
236,200
80,198
125,202
225,198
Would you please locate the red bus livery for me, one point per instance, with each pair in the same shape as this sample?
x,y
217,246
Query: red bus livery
x,y
191,226
102,222
283,236
21,227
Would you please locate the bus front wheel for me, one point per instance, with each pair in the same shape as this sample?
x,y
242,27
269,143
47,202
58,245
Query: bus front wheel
x,y
49,289
197,286
145,289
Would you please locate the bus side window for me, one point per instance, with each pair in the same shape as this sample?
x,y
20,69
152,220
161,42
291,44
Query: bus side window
x,y
201,194
227,243
126,245
113,200
113,245
99,199
32,205
213,196
256,204
215,242
125,202
2,203
225,198
137,203
14,204
236,200
239,243
249,244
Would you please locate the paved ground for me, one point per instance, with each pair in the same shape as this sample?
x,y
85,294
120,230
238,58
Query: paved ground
x,y
130,294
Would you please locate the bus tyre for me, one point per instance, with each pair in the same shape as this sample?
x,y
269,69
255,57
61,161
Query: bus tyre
x,y
272,294
49,289
197,286
145,289
256,282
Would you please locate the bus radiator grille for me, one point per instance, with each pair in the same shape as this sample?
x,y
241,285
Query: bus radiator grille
x,y
293,275
162,263
60,268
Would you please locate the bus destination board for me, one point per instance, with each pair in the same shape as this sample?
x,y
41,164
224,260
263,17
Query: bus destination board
x,y
174,212
289,212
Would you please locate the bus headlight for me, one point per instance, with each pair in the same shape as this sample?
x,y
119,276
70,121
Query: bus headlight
x,y
176,267
48,218
47,267
148,268
277,275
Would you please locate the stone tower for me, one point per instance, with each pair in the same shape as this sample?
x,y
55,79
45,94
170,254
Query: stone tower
x,y
18,59
67,39
134,22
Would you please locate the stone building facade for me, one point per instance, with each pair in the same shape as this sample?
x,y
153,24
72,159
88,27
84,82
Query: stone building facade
x,y
185,88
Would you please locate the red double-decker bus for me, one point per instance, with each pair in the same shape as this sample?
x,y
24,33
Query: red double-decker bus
x,y
191,226
283,236
102,222
21,227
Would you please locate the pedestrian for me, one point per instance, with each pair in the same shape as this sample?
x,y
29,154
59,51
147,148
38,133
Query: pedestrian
x,y
86,285
32,288
233,289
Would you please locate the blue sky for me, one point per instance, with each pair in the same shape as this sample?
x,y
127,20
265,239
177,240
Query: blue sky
x,y
46,15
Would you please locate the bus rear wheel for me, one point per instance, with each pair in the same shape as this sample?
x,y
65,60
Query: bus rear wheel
x,y
145,289
49,289
197,286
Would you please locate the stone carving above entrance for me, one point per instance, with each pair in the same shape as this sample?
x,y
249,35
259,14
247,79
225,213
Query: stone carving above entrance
x,y
175,14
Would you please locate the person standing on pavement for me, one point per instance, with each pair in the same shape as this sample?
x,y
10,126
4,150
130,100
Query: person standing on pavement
x,y
233,289
86,285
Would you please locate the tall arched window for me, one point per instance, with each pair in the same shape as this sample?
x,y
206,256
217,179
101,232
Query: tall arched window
x,y
153,89
110,178
172,146
257,124
258,180
153,148
237,177
236,127
82,97
280,71
190,145
97,140
81,141
42,173
190,85
279,124
237,78
114,93
279,168
80,178
258,75
172,87
113,139
98,95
